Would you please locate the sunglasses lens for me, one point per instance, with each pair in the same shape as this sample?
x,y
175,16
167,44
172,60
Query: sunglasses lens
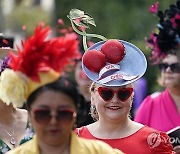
x,y
163,66
105,93
42,116
175,68
65,115
124,94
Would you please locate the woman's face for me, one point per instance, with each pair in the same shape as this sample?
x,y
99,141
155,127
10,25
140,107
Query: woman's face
x,y
170,78
112,107
52,115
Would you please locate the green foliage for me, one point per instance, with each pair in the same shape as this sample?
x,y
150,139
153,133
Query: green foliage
x,y
28,16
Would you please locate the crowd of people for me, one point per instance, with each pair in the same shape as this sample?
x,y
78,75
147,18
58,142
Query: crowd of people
x,y
51,100
92,113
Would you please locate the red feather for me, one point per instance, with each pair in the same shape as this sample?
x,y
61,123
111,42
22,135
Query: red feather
x,y
39,54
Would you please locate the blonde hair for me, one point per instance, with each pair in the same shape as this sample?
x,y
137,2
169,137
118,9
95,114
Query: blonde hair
x,y
92,87
93,111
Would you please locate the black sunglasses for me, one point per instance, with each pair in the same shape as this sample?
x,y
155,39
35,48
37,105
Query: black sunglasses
x,y
175,67
43,116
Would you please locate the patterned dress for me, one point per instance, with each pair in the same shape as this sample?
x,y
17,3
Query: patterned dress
x,y
27,136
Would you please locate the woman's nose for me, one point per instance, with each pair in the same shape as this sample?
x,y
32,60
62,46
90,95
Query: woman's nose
x,y
168,69
115,98
53,119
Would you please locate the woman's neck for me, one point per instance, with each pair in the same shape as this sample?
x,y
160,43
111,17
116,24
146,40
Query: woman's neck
x,y
119,129
175,91
113,125
7,113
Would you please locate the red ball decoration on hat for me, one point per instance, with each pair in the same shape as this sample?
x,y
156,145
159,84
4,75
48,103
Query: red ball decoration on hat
x,y
113,50
94,60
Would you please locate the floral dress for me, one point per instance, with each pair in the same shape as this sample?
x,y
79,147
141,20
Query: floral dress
x,y
27,136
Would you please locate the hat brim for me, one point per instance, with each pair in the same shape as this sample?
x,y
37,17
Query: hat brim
x,y
134,63
5,51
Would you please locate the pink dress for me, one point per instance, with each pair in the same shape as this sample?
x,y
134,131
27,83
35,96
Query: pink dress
x,y
144,141
158,112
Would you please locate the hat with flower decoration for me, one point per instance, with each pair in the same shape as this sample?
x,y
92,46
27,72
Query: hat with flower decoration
x,y
40,61
110,62
165,38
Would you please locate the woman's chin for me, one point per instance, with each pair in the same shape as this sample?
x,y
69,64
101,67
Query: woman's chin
x,y
115,113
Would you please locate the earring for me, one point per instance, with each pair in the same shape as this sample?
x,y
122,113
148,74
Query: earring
x,y
93,113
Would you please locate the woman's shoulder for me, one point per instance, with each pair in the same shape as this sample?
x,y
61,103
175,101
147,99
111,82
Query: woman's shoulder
x,y
150,102
83,132
146,130
152,98
80,130
157,141
90,146
151,140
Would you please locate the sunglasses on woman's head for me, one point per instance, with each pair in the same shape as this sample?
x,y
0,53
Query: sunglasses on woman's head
x,y
107,93
44,116
175,67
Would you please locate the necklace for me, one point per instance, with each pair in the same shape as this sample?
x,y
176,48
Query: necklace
x,y
12,139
